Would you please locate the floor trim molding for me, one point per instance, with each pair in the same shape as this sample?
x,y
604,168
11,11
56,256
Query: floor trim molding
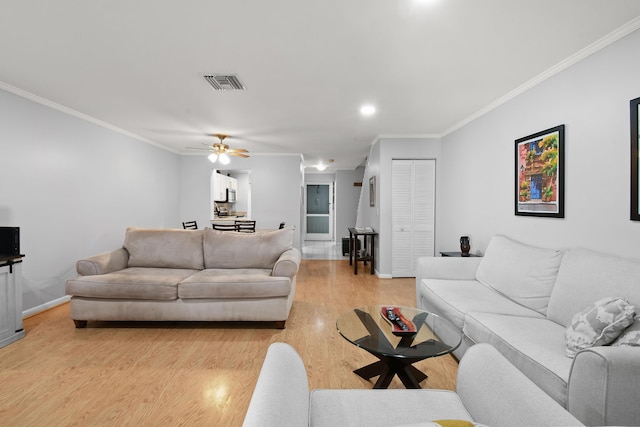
x,y
46,306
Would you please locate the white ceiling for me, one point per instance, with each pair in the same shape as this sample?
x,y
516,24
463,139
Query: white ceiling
x,y
308,65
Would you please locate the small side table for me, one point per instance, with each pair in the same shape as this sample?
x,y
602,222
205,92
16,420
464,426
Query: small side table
x,y
457,254
369,251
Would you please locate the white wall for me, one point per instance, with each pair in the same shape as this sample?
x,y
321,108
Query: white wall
x,y
592,99
379,165
276,183
347,198
73,187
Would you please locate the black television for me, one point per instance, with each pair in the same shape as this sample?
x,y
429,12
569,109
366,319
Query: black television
x,y
9,241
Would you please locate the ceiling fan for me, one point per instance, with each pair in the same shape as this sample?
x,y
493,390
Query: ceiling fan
x,y
221,151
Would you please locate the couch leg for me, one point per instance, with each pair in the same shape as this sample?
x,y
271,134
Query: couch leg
x,y
80,323
280,324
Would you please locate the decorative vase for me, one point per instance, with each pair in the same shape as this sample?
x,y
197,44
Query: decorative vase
x,y
465,246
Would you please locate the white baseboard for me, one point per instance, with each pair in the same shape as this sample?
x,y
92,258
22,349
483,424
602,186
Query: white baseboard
x,y
45,306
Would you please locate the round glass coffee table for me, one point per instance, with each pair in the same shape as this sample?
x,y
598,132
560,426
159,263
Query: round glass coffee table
x,y
365,327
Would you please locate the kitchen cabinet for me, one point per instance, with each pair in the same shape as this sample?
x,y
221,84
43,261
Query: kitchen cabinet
x,y
219,185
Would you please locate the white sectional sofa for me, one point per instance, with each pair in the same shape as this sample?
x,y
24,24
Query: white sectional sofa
x,y
521,299
490,391
188,275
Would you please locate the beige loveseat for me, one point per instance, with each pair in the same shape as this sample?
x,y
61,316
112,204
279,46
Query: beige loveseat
x,y
187,275
523,300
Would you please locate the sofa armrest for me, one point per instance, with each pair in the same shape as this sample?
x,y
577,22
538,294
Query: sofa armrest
x,y
603,386
103,263
288,263
496,393
281,396
453,268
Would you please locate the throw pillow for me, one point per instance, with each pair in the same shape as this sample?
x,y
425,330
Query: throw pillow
x,y
444,423
630,336
598,324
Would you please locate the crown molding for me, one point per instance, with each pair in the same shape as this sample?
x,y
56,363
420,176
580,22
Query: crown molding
x,y
584,53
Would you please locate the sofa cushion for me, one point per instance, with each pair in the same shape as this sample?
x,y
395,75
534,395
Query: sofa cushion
x,y
442,423
234,283
130,283
366,408
224,249
587,276
164,248
522,272
533,345
630,336
599,324
452,299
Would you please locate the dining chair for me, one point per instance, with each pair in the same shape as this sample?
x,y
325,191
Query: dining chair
x,y
190,225
225,227
245,225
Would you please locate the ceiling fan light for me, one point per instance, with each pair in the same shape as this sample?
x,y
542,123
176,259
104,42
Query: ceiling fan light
x,y
213,157
224,158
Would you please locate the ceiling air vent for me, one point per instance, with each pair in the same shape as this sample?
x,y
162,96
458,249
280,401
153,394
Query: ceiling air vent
x,y
224,82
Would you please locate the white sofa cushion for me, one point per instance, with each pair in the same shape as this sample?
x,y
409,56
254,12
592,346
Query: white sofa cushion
x,y
452,299
587,276
599,324
522,272
356,407
533,345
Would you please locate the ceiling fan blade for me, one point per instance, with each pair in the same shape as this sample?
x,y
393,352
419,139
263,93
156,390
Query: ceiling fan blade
x,y
200,149
238,150
231,153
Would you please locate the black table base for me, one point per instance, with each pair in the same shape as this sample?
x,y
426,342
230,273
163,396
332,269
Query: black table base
x,y
387,367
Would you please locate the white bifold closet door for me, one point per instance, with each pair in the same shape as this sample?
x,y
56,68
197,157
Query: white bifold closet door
x,y
413,214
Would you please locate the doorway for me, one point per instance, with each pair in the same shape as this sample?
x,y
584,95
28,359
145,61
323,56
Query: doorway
x,y
319,211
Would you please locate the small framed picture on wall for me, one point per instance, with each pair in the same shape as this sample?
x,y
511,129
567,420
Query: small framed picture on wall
x,y
372,191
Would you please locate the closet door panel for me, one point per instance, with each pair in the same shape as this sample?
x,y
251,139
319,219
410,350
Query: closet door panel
x,y
413,214
401,219
424,178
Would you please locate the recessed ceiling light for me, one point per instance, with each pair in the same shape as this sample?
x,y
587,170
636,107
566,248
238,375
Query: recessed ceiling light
x,y
320,167
367,110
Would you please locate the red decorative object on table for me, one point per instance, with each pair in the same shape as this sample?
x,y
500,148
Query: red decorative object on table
x,y
400,325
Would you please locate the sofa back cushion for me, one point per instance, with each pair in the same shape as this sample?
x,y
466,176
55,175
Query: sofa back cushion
x,y
524,273
586,277
228,249
164,248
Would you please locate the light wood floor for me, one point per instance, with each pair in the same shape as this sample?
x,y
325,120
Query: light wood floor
x,y
165,374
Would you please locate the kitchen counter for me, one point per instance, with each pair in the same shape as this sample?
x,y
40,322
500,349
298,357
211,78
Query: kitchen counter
x,y
230,218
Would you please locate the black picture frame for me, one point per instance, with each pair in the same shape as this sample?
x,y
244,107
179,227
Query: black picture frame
x,y
372,191
634,109
539,174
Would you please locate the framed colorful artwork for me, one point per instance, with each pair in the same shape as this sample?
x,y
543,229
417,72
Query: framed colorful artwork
x,y
635,142
539,174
